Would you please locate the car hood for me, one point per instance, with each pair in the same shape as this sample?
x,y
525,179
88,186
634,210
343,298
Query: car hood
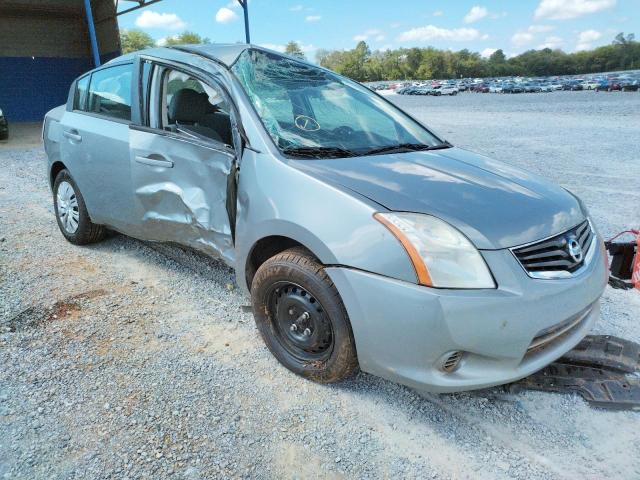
x,y
494,204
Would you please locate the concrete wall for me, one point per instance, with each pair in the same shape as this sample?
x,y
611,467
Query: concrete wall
x,y
44,45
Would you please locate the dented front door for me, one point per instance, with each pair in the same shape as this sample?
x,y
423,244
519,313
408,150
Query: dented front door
x,y
180,190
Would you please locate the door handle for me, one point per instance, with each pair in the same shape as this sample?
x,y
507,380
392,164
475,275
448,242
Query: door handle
x,y
154,162
72,135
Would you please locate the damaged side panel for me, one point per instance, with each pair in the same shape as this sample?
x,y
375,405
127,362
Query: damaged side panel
x,y
180,189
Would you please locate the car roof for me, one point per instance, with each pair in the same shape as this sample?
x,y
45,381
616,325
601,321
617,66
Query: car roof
x,y
223,53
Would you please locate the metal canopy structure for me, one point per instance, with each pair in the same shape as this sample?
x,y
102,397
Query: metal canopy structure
x,y
129,8
141,4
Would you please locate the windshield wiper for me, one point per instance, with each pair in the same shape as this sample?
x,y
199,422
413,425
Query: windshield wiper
x,y
406,147
319,152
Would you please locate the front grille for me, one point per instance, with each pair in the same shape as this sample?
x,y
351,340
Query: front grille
x,y
563,253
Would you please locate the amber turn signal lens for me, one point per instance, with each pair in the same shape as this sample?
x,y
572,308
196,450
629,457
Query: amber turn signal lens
x,y
418,264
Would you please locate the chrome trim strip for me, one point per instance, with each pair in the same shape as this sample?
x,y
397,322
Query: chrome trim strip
x,y
554,334
559,274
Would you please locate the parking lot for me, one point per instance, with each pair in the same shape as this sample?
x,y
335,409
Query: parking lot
x,y
127,361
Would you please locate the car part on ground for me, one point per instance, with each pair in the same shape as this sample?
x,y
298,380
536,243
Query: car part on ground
x,y
602,369
625,261
4,126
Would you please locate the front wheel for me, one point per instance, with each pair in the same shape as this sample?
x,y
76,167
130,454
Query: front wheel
x,y
71,212
301,317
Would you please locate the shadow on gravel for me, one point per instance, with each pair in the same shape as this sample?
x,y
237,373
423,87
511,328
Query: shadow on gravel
x,y
184,258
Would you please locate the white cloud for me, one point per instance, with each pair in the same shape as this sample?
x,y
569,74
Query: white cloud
x,y
225,15
161,42
395,25
296,8
151,19
589,36
539,28
487,52
431,32
274,46
307,48
552,43
520,39
312,18
476,13
526,37
374,33
585,38
566,9
438,13
386,47
310,48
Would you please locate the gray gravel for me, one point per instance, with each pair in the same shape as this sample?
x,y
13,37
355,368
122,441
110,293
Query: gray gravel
x,y
120,362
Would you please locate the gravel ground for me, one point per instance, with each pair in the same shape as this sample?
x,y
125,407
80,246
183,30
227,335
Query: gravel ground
x,y
120,362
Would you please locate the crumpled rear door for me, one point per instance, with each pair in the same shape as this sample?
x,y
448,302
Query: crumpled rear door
x,y
180,191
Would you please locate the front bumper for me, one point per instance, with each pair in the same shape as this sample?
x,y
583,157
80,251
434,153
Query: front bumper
x,y
402,331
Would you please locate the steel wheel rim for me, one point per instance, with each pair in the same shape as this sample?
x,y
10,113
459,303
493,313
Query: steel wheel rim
x,y
312,339
67,206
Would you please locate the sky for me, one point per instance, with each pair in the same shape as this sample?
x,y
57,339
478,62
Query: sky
x,y
480,26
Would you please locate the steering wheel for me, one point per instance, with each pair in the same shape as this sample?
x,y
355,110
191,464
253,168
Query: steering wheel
x,y
344,131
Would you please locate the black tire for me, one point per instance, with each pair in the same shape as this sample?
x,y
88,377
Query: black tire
x,y
285,288
87,231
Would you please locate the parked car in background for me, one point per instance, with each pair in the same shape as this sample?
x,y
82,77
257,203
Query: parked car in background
x,y
443,90
512,88
4,126
495,88
590,85
481,88
531,88
428,268
629,86
573,85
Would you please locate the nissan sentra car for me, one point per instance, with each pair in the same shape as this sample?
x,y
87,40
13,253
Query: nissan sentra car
x,y
364,239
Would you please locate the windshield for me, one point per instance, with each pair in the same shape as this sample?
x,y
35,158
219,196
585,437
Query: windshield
x,y
310,112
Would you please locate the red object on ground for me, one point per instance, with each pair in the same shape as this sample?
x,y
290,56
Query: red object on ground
x,y
635,275
635,267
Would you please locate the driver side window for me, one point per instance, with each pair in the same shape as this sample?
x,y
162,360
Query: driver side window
x,y
193,108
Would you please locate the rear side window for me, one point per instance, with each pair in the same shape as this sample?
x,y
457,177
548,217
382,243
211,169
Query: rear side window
x,y
110,92
82,88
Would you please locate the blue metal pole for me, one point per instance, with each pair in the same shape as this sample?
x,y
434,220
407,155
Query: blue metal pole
x,y
92,33
245,7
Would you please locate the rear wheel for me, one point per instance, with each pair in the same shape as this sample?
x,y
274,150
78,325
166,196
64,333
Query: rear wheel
x,y
71,212
301,317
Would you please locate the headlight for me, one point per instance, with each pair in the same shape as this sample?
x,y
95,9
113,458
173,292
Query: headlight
x,y
0,112
441,255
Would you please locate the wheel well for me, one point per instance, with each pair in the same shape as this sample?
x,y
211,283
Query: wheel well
x,y
55,170
266,248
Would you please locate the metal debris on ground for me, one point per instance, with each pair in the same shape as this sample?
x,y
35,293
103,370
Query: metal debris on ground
x,y
602,369
625,261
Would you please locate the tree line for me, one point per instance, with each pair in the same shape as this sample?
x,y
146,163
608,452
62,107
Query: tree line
x,y
415,63
428,63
